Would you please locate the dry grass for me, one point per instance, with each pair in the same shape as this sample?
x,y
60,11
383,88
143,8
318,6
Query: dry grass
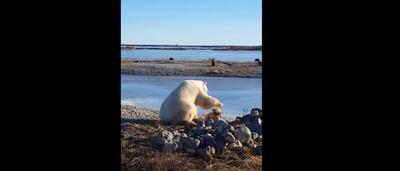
x,y
140,154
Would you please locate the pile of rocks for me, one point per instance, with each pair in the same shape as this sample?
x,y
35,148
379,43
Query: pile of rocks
x,y
214,136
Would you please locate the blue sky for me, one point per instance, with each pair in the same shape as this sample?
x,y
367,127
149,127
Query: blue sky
x,y
191,22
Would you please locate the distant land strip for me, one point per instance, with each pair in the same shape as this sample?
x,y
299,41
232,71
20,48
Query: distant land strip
x,y
189,47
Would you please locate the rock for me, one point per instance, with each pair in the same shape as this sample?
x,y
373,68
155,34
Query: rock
x,y
250,143
258,139
210,131
229,137
170,147
230,128
256,111
189,150
255,125
220,126
207,140
206,152
176,133
254,135
184,135
220,143
201,124
257,150
198,132
210,122
243,134
164,137
190,142
234,145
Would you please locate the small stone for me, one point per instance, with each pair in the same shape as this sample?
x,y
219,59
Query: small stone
x,y
256,111
234,145
164,137
170,147
221,126
201,124
230,128
198,131
206,152
190,142
210,122
189,150
259,139
210,131
176,133
184,135
243,134
229,137
255,125
254,135
220,143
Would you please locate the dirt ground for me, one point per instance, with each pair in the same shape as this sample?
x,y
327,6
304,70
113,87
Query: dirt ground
x,y
191,68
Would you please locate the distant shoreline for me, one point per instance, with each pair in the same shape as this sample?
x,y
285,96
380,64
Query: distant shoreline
x,y
191,68
190,47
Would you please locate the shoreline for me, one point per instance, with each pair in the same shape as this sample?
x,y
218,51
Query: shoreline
x,y
190,68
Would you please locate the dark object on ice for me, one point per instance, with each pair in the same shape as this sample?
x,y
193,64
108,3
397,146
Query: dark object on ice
x,y
257,60
171,59
212,62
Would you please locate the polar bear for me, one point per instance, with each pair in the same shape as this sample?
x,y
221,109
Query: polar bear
x,y
180,105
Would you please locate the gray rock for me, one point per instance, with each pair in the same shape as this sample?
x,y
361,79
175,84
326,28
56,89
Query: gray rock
x,y
210,131
176,133
234,145
189,150
229,137
206,152
184,135
201,124
259,139
243,134
207,140
170,147
220,126
198,131
220,143
164,137
230,128
190,142
255,125
256,111
254,135
210,122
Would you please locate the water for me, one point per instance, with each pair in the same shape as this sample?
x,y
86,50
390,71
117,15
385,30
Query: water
x,y
237,94
237,56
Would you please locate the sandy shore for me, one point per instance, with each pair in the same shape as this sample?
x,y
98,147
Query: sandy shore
x,y
190,68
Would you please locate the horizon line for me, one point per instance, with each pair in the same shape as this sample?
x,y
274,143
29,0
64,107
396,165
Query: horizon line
x,y
180,45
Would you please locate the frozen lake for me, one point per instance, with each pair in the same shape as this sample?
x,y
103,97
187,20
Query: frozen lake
x,y
239,95
237,56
